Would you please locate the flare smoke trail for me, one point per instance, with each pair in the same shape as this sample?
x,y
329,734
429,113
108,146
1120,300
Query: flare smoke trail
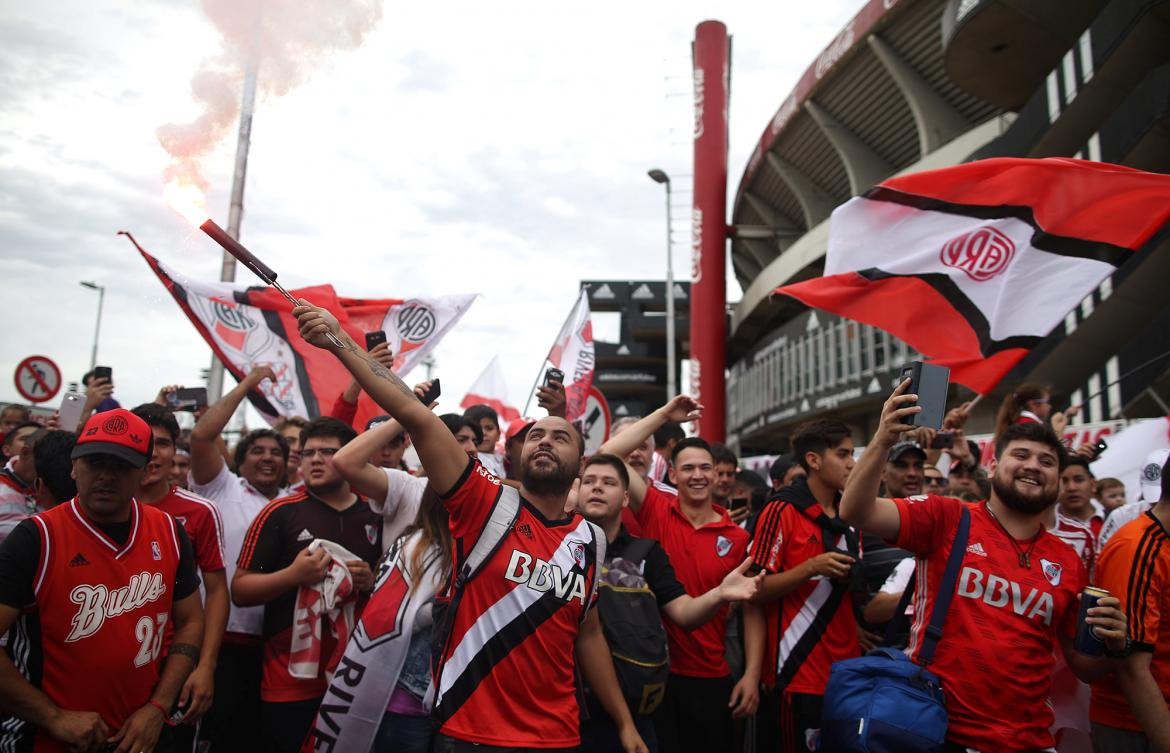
x,y
288,37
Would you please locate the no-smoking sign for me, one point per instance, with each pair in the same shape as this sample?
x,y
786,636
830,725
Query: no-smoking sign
x,y
38,379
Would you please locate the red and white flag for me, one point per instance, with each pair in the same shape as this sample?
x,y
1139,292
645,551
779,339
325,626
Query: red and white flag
x,y
974,264
253,326
490,389
573,354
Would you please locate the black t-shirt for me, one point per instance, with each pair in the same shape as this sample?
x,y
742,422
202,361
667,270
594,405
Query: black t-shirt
x,y
21,551
288,525
658,571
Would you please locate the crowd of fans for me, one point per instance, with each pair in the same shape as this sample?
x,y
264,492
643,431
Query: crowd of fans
x,y
160,590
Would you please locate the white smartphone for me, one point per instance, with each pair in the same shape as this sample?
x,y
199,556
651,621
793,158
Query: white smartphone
x,y
72,405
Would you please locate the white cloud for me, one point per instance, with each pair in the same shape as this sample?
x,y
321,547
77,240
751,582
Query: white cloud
x,y
464,147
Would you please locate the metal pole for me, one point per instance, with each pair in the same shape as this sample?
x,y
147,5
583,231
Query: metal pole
x,y
97,330
236,209
671,360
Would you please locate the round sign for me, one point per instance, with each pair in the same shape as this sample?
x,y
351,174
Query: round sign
x,y
38,379
598,421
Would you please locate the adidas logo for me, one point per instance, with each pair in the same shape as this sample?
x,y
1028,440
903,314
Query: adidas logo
x,y
78,560
304,535
977,548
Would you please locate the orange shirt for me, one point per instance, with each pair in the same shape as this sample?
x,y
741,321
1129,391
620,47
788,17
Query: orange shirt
x,y
1134,566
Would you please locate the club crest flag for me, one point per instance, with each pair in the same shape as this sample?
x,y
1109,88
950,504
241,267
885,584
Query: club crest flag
x,y
490,389
248,327
973,265
573,354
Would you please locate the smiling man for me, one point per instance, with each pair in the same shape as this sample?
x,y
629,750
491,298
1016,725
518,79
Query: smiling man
x,y
996,656
704,545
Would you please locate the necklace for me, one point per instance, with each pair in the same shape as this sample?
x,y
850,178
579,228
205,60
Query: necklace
x,y
1025,555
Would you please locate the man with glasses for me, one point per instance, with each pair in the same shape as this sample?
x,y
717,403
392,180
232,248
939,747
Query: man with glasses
x,y
936,482
276,564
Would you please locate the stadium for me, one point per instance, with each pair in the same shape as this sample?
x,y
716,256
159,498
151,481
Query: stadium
x,y
912,85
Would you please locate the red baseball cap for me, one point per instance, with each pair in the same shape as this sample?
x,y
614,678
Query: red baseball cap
x,y
518,426
116,432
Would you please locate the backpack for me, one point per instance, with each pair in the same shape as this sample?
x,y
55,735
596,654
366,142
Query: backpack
x,y
633,628
885,703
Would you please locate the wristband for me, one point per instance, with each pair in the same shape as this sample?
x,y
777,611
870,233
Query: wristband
x,y
165,714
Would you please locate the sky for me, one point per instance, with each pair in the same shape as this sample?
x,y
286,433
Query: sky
x,y
463,147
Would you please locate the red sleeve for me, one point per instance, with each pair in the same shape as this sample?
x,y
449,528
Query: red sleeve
x,y
470,501
203,528
633,527
927,522
655,506
343,410
767,547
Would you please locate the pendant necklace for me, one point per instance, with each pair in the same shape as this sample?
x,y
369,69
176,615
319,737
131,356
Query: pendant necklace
x,y
1025,555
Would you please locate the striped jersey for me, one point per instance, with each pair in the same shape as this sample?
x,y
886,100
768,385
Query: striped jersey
x,y
507,673
1135,567
201,520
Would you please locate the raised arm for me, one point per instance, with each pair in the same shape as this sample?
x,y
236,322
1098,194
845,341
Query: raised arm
x,y
860,505
206,458
353,460
438,449
680,409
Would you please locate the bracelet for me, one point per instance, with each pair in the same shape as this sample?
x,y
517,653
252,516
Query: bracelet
x,y
166,715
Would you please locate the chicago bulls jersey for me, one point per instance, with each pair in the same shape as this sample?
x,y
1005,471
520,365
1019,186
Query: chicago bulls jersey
x,y
508,663
996,654
102,610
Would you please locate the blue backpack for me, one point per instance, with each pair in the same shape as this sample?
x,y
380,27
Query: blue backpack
x,y
885,703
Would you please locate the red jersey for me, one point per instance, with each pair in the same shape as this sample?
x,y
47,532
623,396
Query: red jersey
x,y
996,655
1135,567
507,677
103,610
1080,536
702,558
813,625
201,520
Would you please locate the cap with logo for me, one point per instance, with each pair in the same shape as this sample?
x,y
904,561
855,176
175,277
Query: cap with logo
x,y
116,432
901,448
1151,478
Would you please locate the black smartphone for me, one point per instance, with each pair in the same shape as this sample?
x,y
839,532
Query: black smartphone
x,y
554,374
374,339
738,503
1099,448
432,394
103,372
188,399
944,440
929,382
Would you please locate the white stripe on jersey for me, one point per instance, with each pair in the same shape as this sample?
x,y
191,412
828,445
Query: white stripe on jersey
x,y
46,550
805,616
215,516
510,606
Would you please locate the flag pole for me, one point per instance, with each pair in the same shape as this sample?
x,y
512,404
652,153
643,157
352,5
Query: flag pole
x,y
532,392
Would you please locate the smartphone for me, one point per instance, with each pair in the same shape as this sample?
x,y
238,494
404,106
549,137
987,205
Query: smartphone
x,y
374,339
738,503
944,440
432,394
72,405
103,372
1099,448
554,374
187,399
929,382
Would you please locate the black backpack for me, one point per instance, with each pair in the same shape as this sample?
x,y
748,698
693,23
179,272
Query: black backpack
x,y
633,628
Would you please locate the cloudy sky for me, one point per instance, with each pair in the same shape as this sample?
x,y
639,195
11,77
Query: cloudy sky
x,y
463,147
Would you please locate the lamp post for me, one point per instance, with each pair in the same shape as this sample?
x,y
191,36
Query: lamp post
x,y
97,330
658,176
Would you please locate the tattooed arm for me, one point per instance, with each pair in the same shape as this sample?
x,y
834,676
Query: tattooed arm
x,y
440,454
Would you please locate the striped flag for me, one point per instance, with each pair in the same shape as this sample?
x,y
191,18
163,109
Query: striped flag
x,y
974,264
491,389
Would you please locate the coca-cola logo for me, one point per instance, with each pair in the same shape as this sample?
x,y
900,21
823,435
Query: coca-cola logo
x,y
982,253
698,85
696,245
416,322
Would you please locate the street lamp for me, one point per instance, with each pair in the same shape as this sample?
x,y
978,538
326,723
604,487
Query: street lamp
x,y
658,176
101,289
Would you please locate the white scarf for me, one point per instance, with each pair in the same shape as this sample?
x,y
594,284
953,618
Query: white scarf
x,y
368,672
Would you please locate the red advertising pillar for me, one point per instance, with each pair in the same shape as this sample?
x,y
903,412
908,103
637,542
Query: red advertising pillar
x,y
712,64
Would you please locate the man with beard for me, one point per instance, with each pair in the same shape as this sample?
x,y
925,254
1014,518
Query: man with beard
x,y
277,562
200,519
260,459
1017,591
506,679
705,545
